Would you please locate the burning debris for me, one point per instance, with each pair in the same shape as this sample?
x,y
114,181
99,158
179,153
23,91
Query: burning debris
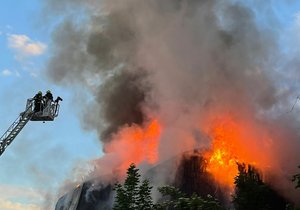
x,y
177,75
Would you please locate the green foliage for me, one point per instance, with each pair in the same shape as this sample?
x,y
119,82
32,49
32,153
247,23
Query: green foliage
x,y
179,201
296,178
144,196
121,198
131,186
134,195
250,189
252,193
173,192
290,207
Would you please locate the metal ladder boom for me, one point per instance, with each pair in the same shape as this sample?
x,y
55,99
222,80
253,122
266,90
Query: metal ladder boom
x,y
15,128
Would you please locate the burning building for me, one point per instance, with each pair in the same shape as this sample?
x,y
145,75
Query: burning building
x,y
191,177
171,76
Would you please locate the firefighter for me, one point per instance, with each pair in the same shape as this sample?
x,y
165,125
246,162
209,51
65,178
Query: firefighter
x,y
48,97
38,102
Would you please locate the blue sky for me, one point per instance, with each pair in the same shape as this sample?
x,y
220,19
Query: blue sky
x,y
43,156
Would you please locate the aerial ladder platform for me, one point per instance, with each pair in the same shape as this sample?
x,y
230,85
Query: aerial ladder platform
x,y
48,113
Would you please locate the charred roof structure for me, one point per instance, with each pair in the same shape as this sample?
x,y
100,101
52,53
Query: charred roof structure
x,y
191,177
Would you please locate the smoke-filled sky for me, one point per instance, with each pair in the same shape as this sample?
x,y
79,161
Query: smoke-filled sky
x,y
124,66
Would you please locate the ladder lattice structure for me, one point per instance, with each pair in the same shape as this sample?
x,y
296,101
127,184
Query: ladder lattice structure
x,y
16,127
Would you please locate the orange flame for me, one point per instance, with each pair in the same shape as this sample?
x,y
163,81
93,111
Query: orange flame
x,y
135,144
233,142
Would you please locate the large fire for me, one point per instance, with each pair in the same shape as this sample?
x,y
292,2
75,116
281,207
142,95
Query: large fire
x,y
233,142
135,144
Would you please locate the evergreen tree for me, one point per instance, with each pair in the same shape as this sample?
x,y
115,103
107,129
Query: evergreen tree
x,y
296,178
135,196
131,186
179,201
252,193
121,198
127,195
144,196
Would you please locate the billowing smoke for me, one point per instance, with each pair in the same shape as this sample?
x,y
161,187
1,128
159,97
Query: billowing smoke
x,y
183,63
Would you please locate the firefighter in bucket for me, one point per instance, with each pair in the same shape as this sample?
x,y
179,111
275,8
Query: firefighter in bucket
x,y
38,102
45,108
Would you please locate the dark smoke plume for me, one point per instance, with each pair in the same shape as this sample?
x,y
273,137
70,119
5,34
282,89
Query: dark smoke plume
x,y
196,51
121,99
185,60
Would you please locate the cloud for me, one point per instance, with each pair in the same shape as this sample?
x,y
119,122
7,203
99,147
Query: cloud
x,y
19,192
23,198
18,74
33,74
24,46
8,27
6,72
9,205
297,18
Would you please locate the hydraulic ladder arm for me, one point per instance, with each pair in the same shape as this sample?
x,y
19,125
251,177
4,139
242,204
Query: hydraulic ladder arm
x,y
16,127
47,113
